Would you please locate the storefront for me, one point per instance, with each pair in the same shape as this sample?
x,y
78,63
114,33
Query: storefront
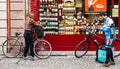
x,y
66,20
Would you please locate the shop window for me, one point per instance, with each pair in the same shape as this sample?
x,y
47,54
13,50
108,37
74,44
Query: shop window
x,y
72,16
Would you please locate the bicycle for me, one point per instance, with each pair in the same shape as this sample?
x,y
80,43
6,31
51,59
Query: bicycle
x,y
82,47
13,46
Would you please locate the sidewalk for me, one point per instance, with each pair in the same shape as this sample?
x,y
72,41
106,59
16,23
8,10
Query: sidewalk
x,y
56,62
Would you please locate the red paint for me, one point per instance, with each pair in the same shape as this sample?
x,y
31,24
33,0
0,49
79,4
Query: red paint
x,y
58,1
34,4
68,42
119,17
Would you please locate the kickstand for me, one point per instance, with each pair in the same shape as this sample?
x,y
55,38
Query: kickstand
x,y
19,60
117,55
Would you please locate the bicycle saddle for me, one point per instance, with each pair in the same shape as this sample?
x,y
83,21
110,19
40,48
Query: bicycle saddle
x,y
17,33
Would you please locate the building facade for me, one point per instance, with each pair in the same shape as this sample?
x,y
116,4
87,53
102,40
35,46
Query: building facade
x,y
12,16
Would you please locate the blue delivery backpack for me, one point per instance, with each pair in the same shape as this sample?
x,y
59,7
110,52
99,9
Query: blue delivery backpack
x,y
101,54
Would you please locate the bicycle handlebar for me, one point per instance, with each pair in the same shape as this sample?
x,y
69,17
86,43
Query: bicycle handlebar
x,y
91,31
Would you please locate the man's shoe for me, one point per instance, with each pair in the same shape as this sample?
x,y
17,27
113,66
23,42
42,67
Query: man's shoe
x,y
32,58
106,65
112,63
25,58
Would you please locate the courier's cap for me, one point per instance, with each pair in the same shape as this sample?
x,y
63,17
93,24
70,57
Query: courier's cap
x,y
103,14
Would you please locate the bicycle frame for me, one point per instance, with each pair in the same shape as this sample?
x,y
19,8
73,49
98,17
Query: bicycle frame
x,y
84,45
89,37
18,38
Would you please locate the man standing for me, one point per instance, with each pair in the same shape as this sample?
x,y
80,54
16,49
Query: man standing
x,y
29,25
109,29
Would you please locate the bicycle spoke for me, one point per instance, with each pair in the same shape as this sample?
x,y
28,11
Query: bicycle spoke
x,y
42,49
11,48
81,49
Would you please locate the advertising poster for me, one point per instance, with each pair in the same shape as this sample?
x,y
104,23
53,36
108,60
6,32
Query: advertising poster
x,y
115,12
95,5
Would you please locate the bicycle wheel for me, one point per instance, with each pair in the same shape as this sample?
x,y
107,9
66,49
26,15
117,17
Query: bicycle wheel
x,y
81,49
11,48
42,48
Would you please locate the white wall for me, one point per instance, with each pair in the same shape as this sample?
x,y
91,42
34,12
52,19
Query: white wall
x,y
17,18
17,15
3,22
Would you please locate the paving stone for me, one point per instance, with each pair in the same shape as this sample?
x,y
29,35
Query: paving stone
x,y
56,62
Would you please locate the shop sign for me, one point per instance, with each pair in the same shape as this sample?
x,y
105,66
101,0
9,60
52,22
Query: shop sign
x,y
95,5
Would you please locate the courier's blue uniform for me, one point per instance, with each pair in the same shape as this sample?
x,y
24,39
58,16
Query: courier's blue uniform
x,y
109,29
110,35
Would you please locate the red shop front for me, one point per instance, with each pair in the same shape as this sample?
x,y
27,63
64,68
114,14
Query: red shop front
x,y
67,42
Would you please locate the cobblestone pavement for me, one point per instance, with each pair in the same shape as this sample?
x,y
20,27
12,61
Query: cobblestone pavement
x,y
56,62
